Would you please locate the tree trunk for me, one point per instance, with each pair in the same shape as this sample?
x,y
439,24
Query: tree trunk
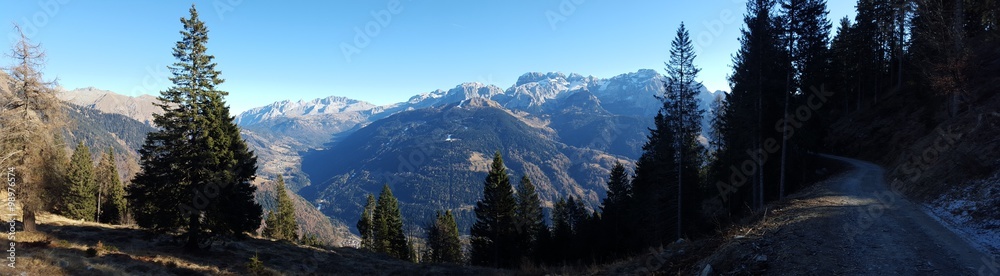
x,y
29,220
194,233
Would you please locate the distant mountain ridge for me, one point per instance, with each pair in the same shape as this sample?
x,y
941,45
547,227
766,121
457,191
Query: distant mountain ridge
x,y
627,94
141,108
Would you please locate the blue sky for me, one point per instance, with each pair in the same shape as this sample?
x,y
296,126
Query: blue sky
x,y
271,51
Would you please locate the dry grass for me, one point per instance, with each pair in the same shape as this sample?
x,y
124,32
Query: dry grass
x,y
69,247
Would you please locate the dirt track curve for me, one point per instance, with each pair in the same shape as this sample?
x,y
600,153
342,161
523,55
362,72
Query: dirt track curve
x,y
852,225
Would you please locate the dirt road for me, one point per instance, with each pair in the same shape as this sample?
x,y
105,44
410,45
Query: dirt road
x,y
852,225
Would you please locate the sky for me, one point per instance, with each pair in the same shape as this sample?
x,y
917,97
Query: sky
x,y
380,51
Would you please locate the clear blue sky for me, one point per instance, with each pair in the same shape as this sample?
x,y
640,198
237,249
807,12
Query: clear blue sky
x,y
271,51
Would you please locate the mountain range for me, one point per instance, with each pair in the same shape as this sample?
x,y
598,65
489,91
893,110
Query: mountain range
x,y
563,131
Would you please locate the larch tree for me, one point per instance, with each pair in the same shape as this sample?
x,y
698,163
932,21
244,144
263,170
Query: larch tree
x,y
196,169
31,131
281,223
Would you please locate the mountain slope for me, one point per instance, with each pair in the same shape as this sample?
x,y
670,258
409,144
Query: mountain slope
x,y
436,158
140,108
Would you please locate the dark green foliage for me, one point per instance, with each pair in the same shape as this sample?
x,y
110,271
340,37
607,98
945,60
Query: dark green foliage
x,y
443,240
366,225
388,227
93,127
681,103
112,191
615,208
281,223
80,200
311,240
494,235
529,220
196,169
571,231
752,108
429,174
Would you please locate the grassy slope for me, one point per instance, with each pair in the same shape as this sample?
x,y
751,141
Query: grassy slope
x,y
61,248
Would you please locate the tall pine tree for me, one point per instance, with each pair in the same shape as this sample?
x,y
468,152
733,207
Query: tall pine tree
x,y
281,223
529,219
388,226
443,240
196,169
615,208
81,196
494,234
684,116
366,225
111,193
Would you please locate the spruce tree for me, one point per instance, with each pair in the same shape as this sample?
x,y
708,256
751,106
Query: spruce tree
x,y
196,169
806,40
751,110
529,219
366,225
443,240
494,232
654,207
388,222
615,208
281,223
684,116
81,197
111,191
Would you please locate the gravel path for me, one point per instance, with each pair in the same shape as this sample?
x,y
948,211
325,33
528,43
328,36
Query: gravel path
x,y
853,225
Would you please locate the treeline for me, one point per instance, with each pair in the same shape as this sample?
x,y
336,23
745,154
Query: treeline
x,y
791,79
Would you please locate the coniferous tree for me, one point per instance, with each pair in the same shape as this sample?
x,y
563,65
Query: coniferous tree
x,y
754,105
388,227
494,237
111,192
529,219
684,116
562,231
443,240
281,223
196,169
81,197
806,40
366,225
31,124
615,208
653,186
